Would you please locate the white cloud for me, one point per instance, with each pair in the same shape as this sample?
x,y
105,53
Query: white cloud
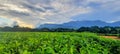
x,y
14,8
33,12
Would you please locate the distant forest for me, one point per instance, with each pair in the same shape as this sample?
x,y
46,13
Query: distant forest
x,y
94,29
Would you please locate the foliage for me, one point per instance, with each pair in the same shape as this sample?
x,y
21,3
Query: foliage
x,y
94,29
56,43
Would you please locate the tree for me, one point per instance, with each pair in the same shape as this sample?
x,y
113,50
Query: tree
x,y
95,29
45,30
63,30
118,31
107,29
83,29
15,24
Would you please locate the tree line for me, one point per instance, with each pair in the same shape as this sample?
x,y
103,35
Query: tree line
x,y
95,29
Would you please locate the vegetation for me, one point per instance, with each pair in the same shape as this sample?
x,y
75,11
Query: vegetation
x,y
94,29
56,43
107,30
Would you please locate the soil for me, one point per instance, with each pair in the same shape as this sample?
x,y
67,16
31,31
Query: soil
x,y
112,37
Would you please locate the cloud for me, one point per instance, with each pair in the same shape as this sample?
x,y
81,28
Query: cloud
x,y
33,12
29,13
113,6
3,24
105,4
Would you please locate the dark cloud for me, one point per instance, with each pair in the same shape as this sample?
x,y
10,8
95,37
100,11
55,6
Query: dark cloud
x,y
16,13
33,8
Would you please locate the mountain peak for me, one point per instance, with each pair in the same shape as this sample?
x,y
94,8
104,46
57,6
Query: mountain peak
x,y
78,24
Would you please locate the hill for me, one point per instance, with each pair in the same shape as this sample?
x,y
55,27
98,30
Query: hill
x,y
78,24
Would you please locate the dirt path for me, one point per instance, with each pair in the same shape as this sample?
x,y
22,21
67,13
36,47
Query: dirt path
x,y
112,37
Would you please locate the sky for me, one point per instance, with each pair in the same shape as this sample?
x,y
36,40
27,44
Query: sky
x,y
31,13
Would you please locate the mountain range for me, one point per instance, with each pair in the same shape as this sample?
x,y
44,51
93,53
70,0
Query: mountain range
x,y
78,24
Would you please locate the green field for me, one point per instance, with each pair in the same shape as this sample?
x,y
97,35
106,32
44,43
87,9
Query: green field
x,y
56,43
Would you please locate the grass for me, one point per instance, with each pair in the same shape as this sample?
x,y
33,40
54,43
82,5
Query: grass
x,y
56,43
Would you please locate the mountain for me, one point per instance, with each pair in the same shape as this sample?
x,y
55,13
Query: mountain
x,y
78,24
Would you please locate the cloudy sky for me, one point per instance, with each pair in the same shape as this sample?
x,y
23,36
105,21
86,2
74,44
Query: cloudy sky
x,y
30,13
